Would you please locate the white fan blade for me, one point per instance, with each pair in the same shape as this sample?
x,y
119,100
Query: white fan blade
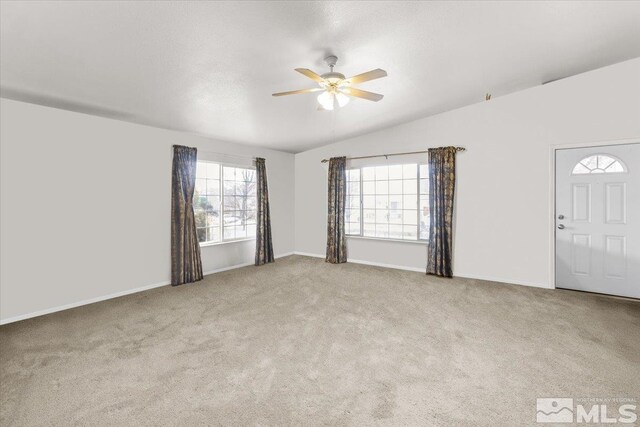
x,y
358,93
313,76
369,75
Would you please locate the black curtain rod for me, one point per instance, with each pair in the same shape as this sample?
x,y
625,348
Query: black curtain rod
x,y
391,155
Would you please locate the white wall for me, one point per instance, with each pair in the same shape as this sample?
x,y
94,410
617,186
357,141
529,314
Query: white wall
x,y
503,213
85,206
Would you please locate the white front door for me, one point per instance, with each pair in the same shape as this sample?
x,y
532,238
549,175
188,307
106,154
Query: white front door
x,y
598,219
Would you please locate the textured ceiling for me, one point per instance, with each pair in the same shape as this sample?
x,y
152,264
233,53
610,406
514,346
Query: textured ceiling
x,y
210,67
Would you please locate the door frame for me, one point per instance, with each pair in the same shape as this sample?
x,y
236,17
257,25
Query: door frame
x,y
552,192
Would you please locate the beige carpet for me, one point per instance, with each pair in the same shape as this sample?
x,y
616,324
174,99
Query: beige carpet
x,y
301,342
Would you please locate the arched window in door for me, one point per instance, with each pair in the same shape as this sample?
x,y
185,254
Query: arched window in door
x,y
599,163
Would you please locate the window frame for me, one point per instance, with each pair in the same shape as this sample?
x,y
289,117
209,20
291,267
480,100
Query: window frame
x,y
220,179
604,171
418,178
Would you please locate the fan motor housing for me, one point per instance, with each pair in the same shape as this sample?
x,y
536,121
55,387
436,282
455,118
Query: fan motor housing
x,y
333,76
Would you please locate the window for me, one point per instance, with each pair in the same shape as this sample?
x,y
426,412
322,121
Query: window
x,y
352,213
224,202
388,202
599,163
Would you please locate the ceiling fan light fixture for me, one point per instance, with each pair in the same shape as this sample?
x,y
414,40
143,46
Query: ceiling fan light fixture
x,y
325,99
342,99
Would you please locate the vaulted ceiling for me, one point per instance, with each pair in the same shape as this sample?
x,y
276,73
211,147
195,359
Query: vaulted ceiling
x,y
210,67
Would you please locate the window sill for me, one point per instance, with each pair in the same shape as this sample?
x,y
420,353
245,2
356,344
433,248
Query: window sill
x,y
248,239
383,239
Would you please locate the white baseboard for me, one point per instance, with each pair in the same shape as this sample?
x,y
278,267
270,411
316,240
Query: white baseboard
x,y
219,270
396,267
357,261
285,254
502,280
309,254
233,267
246,264
423,270
117,294
83,302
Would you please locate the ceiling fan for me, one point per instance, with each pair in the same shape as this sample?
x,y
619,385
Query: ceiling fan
x,y
335,88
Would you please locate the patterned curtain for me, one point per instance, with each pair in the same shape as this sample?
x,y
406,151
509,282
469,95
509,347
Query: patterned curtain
x,y
442,180
186,266
264,247
336,243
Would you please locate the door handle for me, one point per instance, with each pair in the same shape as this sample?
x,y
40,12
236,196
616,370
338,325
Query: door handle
x,y
561,226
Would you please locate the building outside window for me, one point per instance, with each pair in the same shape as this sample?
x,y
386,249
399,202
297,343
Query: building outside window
x,y
388,202
224,202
